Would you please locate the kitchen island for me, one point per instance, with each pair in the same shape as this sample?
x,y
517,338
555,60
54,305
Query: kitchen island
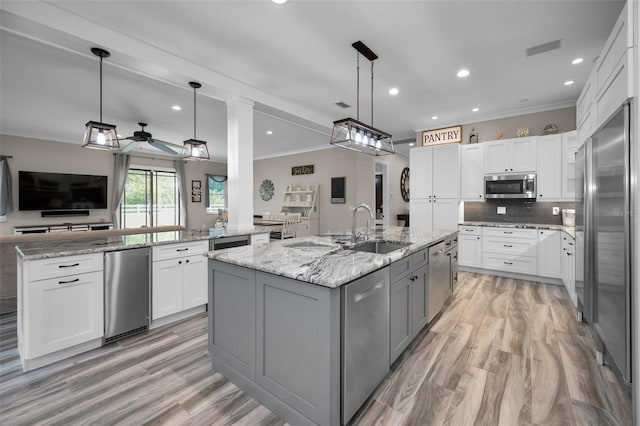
x,y
66,288
306,325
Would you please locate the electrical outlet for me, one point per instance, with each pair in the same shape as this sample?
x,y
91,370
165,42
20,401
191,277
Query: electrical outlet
x,y
502,210
556,211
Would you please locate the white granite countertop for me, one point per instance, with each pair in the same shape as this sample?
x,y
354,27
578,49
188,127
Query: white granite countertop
x,y
86,244
569,230
327,260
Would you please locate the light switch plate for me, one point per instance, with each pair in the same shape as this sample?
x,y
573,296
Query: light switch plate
x,y
502,210
556,211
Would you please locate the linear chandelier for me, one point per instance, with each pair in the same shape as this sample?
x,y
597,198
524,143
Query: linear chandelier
x,y
354,134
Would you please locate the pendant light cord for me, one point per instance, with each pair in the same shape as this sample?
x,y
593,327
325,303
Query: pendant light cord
x,y
101,89
194,113
371,93
357,85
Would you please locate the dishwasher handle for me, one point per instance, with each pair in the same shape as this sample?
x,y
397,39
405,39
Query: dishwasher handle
x,y
359,296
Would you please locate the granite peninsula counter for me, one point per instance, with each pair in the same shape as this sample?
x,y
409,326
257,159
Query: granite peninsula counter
x,y
308,326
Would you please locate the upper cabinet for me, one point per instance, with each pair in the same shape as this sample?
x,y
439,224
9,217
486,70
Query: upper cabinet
x,y
510,155
435,171
549,169
472,172
570,144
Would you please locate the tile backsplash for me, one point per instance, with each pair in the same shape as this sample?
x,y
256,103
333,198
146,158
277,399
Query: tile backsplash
x,y
517,211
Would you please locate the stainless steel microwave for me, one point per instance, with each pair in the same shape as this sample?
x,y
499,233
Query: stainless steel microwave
x,y
510,186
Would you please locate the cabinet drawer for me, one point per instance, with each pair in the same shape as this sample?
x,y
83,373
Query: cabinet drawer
x,y
419,259
172,251
64,266
509,232
400,268
469,230
257,239
568,243
509,263
513,246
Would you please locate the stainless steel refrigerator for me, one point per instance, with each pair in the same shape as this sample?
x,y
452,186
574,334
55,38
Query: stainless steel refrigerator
x,y
603,232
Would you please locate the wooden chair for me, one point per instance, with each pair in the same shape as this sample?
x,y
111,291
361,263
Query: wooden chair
x,y
289,225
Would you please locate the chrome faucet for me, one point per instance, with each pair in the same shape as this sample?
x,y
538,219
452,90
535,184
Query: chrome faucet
x,y
353,219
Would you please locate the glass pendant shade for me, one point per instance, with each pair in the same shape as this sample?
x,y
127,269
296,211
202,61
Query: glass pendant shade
x,y
100,136
195,150
357,136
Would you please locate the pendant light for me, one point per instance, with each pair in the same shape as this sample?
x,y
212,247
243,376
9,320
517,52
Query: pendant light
x,y
194,149
99,135
354,134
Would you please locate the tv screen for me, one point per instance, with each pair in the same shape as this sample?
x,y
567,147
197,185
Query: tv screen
x,y
61,191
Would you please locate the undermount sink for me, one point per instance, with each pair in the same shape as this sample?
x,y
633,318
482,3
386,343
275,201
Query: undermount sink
x,y
379,247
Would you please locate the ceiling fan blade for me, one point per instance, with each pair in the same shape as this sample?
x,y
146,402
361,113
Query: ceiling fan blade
x,y
130,147
165,143
160,146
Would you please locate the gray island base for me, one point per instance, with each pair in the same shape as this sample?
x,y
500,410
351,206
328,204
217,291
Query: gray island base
x,y
311,352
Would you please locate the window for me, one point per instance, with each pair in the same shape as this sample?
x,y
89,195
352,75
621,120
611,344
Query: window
x,y
150,198
216,193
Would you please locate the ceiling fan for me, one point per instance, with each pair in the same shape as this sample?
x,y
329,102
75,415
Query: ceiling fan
x,y
141,136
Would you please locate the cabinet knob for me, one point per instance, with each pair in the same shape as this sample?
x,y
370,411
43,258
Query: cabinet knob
x,y
187,260
511,169
540,195
480,196
180,262
506,170
478,237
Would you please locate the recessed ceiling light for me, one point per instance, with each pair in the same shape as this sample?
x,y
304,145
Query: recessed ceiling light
x,y
476,109
435,117
394,91
279,1
269,132
176,107
569,82
463,73
411,144
577,61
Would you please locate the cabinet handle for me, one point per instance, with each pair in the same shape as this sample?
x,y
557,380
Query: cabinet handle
x,y
184,249
69,266
470,230
568,254
570,244
180,262
507,245
508,263
507,232
69,282
187,260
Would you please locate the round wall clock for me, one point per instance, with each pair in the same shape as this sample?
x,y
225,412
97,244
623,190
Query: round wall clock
x,y
266,189
404,184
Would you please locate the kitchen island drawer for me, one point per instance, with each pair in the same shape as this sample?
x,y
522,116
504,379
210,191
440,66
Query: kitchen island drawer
x,y
172,251
64,266
489,231
509,263
512,246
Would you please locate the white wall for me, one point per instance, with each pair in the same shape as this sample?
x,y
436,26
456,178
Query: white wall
x,y
48,156
331,162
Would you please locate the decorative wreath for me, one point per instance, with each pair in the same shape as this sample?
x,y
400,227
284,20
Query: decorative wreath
x,y
266,189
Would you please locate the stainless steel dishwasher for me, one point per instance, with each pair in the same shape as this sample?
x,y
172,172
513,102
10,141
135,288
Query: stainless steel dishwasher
x,y
365,339
126,293
439,278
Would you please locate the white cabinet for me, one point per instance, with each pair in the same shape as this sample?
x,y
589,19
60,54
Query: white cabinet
x,y
60,308
549,258
257,239
472,172
570,145
435,182
549,168
510,155
509,250
179,278
568,267
470,246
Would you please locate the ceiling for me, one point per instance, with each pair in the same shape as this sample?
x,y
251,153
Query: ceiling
x,y
294,60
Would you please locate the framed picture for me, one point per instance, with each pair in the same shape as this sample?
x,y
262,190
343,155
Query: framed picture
x,y
337,190
196,197
196,184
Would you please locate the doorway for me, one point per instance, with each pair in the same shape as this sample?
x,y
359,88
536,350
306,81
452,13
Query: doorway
x,y
381,190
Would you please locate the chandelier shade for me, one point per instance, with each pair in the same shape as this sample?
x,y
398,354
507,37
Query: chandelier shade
x,y
194,149
358,136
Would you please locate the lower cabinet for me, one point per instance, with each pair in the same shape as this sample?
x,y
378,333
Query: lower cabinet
x,y
569,267
510,250
179,278
470,246
408,301
60,307
549,259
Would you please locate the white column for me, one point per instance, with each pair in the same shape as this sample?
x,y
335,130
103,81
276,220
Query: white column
x,y
240,163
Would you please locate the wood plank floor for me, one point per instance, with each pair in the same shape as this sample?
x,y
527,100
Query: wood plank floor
x,y
504,352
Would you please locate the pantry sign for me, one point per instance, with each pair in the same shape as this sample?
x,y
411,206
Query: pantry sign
x,y
442,136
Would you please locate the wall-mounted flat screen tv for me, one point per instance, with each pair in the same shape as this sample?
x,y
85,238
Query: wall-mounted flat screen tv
x,y
61,191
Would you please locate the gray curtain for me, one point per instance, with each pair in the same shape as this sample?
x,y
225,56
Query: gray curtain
x,y
182,188
120,170
6,195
